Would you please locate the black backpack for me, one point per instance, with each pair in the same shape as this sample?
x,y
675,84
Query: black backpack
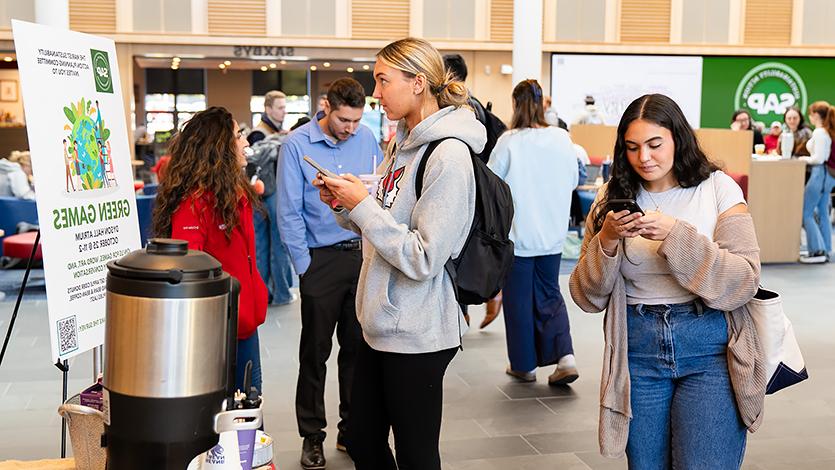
x,y
494,126
479,272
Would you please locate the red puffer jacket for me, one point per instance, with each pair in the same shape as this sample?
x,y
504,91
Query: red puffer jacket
x,y
196,221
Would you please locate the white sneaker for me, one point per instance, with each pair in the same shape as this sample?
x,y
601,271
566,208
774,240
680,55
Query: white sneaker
x,y
817,257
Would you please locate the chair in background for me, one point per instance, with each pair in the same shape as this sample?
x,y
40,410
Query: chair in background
x,y
13,211
145,210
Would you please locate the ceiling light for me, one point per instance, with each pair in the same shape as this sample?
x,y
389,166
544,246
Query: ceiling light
x,y
264,68
174,67
365,67
313,68
175,59
227,63
7,59
327,64
283,62
221,66
350,70
272,66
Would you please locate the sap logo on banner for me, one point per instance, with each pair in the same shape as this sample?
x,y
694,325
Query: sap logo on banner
x,y
771,103
768,89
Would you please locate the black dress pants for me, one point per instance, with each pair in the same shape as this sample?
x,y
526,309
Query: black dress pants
x,y
402,393
328,290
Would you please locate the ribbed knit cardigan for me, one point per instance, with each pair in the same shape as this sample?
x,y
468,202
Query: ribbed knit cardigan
x,y
724,273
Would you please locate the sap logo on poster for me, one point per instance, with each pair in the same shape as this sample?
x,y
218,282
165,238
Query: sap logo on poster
x,y
103,72
215,456
768,89
771,103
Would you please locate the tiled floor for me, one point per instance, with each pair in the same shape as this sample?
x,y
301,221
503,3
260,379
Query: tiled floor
x,y
490,422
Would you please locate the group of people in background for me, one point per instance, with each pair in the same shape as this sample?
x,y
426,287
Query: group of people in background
x,y
815,148
371,262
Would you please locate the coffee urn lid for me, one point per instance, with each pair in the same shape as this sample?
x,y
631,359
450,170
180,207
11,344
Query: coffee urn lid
x,y
166,268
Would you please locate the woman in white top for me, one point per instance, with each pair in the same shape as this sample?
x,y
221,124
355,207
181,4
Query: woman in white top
x,y
673,392
819,187
539,164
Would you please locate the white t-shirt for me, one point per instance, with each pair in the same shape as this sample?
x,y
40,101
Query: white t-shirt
x,y
648,277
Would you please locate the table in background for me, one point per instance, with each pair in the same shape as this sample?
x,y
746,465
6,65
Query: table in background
x,y
775,200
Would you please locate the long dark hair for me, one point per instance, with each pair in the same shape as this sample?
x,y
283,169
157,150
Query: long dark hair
x,y
204,162
690,165
801,124
745,112
527,106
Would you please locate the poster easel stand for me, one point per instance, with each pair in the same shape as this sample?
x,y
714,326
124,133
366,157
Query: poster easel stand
x,y
62,365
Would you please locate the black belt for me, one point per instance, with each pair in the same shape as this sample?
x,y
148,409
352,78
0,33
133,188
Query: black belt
x,y
348,245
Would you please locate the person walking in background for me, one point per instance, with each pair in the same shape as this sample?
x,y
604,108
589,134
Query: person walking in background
x,y
793,119
817,201
673,282
590,114
326,256
271,254
741,121
411,320
206,200
539,163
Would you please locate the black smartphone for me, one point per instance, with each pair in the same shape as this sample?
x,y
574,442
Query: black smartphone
x,y
618,205
319,167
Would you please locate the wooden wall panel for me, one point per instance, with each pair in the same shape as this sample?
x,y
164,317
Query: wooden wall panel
x,y
768,22
93,16
501,20
238,17
645,21
379,19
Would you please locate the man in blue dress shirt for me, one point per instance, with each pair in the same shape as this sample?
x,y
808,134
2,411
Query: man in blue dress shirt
x,y
326,257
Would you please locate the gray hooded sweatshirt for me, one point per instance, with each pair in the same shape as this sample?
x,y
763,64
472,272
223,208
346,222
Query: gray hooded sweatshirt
x,y
405,301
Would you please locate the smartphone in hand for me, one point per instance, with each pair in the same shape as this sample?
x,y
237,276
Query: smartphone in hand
x,y
320,168
618,205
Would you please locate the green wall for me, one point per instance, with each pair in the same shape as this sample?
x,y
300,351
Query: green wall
x,y
722,75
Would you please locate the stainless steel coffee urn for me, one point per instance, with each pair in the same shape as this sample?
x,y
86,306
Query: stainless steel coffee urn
x,y
170,346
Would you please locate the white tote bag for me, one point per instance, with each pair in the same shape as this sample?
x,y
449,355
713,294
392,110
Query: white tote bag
x,y
784,364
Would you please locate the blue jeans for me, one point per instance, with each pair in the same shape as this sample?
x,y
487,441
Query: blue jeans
x,y
271,256
249,349
535,317
684,412
817,197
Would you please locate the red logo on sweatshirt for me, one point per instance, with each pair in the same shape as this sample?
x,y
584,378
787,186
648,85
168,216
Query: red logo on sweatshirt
x,y
388,188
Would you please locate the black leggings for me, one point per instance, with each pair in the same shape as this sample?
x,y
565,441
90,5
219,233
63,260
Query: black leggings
x,y
402,393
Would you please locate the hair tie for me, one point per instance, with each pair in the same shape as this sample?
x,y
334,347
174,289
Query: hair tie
x,y
439,89
537,92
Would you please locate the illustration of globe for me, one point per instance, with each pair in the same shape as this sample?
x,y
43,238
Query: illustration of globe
x,y
84,132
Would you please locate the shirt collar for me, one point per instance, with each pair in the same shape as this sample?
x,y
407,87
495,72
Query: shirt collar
x,y
316,133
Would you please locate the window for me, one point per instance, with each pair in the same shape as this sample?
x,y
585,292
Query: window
x,y
292,82
580,21
308,18
15,9
705,21
449,20
172,97
162,15
817,22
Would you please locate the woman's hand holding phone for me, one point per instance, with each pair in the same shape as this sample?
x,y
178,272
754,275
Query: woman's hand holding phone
x,y
618,225
347,188
655,226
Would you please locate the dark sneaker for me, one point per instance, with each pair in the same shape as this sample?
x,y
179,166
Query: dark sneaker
x,y
313,455
340,442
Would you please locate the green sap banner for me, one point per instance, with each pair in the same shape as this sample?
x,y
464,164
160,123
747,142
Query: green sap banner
x,y
765,86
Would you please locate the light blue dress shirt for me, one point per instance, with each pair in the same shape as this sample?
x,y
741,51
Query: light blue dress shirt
x,y
304,221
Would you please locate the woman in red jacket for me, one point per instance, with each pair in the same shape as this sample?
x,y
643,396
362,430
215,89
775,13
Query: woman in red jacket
x,y
206,200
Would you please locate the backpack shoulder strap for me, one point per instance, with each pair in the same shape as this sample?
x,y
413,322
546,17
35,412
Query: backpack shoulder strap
x,y
422,165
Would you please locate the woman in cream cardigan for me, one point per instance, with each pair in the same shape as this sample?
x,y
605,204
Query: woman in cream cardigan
x,y
673,281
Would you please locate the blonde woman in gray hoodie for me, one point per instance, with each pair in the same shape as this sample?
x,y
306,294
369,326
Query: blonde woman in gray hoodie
x,y
411,322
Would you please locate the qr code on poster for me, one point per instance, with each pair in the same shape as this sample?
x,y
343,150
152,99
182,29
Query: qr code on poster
x,y
67,335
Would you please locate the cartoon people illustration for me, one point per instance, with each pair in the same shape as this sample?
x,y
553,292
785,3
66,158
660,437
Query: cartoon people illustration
x,y
67,162
101,166
77,163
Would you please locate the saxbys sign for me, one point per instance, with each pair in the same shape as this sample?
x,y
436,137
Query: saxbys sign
x,y
768,89
262,51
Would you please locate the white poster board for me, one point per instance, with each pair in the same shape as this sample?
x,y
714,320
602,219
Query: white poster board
x,y
616,80
83,176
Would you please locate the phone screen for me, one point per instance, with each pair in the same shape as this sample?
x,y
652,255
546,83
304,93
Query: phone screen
x,y
618,205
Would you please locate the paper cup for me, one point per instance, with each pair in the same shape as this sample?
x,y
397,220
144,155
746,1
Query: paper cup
x,y
370,182
759,149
